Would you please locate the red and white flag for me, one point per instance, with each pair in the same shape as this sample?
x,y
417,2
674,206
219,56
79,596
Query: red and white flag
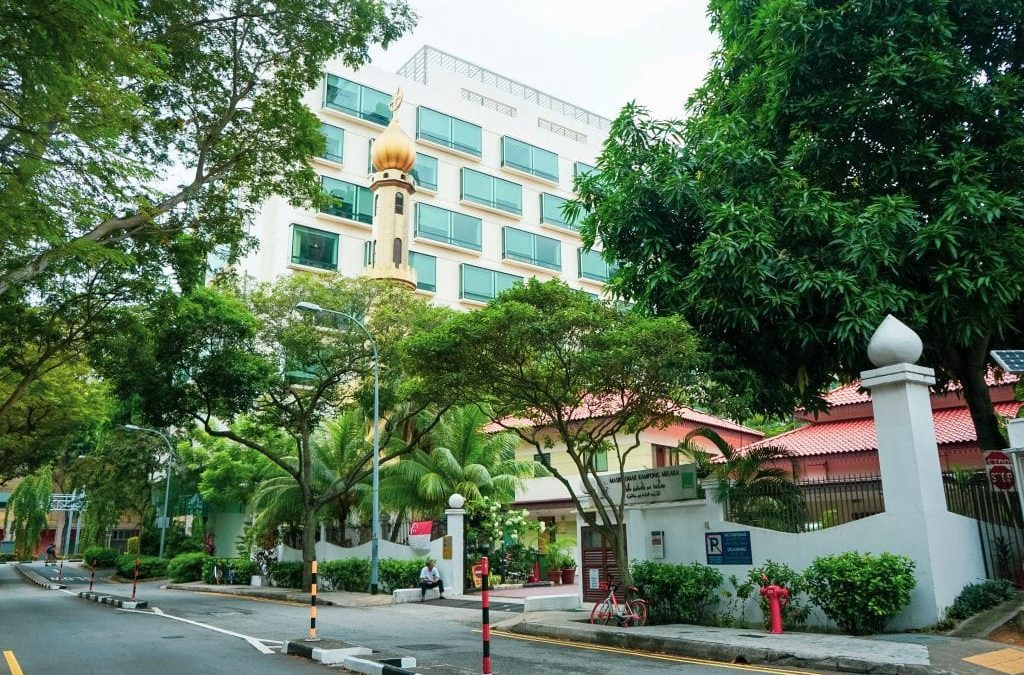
x,y
419,534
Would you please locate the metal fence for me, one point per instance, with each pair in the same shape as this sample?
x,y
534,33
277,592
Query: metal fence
x,y
355,533
808,505
1000,521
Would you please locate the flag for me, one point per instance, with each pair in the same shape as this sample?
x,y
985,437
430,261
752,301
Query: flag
x,y
419,534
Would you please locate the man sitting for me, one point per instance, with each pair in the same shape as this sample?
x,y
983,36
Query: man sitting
x,y
430,578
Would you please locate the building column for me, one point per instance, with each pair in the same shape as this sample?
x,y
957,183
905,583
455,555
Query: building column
x,y
456,518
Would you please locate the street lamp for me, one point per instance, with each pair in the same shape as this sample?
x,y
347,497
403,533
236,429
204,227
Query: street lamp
x,y
375,509
167,491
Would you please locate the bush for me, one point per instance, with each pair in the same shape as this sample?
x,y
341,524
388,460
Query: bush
x,y
243,569
677,593
187,567
796,611
149,566
395,574
132,547
287,574
349,574
860,591
7,557
104,557
976,598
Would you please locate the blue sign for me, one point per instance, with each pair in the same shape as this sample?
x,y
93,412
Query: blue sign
x,y
728,548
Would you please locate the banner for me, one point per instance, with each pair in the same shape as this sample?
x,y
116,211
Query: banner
x,y
419,534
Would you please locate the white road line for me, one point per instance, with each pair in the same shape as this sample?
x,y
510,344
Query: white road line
x,y
254,641
64,590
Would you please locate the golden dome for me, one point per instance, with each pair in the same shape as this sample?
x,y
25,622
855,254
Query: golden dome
x,y
393,149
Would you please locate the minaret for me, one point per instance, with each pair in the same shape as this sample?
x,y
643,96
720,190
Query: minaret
x,y
393,156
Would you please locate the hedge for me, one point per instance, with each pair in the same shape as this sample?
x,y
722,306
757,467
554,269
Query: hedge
x,y
149,566
104,557
187,566
861,591
244,569
286,574
677,593
352,574
976,598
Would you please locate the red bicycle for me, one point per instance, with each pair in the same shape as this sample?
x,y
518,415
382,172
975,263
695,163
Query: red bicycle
x,y
632,612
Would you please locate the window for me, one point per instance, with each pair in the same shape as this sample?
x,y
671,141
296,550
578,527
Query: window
x,y
425,171
368,253
593,266
359,101
665,456
529,158
426,270
448,131
399,204
601,461
543,458
353,202
314,248
483,285
531,248
581,169
334,150
497,193
551,212
449,227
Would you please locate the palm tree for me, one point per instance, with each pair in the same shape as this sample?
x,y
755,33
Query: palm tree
x,y
456,456
756,490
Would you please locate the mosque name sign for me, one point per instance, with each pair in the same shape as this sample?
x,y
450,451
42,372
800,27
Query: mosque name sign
x,y
649,486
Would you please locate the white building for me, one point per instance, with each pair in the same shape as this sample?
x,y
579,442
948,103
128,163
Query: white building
x,y
495,161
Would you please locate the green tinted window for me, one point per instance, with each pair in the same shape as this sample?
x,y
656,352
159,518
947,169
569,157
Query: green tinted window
x,y
593,266
483,285
426,270
601,460
449,227
581,169
368,253
551,212
351,201
529,158
425,171
314,248
356,100
531,248
497,193
448,131
335,137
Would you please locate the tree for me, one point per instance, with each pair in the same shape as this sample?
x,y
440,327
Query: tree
x,y
456,457
750,481
840,162
558,367
217,358
30,505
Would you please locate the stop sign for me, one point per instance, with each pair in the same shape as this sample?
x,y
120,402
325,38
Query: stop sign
x,y
1000,470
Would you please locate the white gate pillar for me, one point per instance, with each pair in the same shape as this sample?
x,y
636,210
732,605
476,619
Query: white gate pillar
x,y
456,517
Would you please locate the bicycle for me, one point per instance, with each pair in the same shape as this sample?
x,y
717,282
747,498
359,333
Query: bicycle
x,y
631,612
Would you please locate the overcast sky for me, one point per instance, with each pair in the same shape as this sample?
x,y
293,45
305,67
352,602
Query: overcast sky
x,y
594,53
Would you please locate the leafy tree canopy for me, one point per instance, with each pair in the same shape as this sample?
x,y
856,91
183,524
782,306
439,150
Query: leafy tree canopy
x,y
841,161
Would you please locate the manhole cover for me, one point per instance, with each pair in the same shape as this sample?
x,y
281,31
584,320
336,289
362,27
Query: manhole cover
x,y
224,613
172,637
751,635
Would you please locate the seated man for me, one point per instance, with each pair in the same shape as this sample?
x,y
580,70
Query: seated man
x,y
430,578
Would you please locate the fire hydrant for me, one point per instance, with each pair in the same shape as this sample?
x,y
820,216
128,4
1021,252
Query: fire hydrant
x,y
778,597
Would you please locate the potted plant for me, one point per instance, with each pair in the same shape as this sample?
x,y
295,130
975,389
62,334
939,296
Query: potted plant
x,y
555,566
568,568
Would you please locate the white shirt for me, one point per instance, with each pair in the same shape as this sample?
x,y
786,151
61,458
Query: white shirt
x,y
427,574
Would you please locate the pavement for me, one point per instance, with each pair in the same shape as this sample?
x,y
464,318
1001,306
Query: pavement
x,y
963,651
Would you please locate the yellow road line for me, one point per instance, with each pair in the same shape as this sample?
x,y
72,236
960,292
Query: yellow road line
x,y
12,663
253,599
647,655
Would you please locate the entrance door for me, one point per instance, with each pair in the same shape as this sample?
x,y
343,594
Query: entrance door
x,y
598,563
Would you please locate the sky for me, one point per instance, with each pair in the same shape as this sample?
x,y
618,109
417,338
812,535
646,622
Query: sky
x,y
596,54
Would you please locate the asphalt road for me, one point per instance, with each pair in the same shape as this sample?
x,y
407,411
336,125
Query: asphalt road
x,y
52,631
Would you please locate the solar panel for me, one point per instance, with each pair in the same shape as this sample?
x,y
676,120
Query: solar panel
x,y
1010,360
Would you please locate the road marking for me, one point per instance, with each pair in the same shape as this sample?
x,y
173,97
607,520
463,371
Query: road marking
x,y
645,654
254,641
12,663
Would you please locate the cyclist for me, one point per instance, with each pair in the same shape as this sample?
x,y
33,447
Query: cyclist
x,y
51,554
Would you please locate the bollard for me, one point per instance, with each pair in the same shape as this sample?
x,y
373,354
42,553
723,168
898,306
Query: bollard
x,y
60,572
312,607
135,581
485,604
777,597
92,577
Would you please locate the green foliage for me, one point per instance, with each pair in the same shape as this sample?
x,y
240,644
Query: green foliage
x,y
861,591
350,574
243,568
396,574
150,567
132,547
796,610
975,598
734,601
187,566
677,593
104,557
288,574
29,504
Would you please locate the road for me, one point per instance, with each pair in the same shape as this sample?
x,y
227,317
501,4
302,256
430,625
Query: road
x,y
49,631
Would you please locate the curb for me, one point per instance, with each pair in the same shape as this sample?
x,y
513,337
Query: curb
x,y
359,665
38,579
337,653
113,600
718,651
290,597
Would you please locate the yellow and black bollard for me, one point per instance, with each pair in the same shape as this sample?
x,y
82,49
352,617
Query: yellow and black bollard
x,y
312,606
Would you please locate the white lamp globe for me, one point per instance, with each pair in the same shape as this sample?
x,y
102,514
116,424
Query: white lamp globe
x,y
456,501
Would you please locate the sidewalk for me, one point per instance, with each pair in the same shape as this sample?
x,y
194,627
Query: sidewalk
x,y
339,598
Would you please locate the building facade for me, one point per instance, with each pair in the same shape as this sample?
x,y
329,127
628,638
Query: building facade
x,y
495,163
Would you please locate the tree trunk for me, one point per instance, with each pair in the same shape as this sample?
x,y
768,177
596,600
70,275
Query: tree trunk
x,y
308,545
970,370
615,535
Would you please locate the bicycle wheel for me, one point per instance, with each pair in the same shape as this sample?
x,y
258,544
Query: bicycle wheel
x,y
638,608
602,612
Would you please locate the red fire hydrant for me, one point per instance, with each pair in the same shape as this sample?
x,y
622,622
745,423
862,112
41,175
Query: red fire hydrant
x,y
778,597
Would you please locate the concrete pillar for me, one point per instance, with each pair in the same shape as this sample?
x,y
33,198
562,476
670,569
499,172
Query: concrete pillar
x,y
456,516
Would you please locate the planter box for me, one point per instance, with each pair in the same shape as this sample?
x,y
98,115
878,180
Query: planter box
x,y
256,580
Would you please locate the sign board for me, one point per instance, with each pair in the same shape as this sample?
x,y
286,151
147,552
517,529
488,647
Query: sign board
x,y
999,468
446,547
594,579
657,544
162,522
647,486
728,548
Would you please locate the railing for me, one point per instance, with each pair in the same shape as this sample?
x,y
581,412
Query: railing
x,y
355,533
808,505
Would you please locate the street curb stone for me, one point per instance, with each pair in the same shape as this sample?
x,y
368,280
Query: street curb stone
x,y
38,579
113,600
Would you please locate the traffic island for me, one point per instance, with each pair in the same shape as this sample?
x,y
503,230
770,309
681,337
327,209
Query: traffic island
x,y
113,600
38,579
331,652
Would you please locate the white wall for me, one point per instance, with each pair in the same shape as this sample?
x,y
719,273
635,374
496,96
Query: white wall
x,y
386,549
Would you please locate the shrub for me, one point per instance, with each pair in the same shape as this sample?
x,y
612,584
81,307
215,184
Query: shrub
x,y
286,574
7,557
104,557
132,547
243,569
395,574
976,598
860,591
149,566
796,611
677,593
187,567
349,574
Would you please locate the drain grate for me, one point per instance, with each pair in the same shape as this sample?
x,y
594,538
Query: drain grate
x,y
173,637
424,647
751,635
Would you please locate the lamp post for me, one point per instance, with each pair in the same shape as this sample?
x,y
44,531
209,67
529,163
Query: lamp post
x,y
167,491
375,508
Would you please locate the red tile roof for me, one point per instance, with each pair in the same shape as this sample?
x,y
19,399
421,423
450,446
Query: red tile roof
x,y
952,425
849,394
